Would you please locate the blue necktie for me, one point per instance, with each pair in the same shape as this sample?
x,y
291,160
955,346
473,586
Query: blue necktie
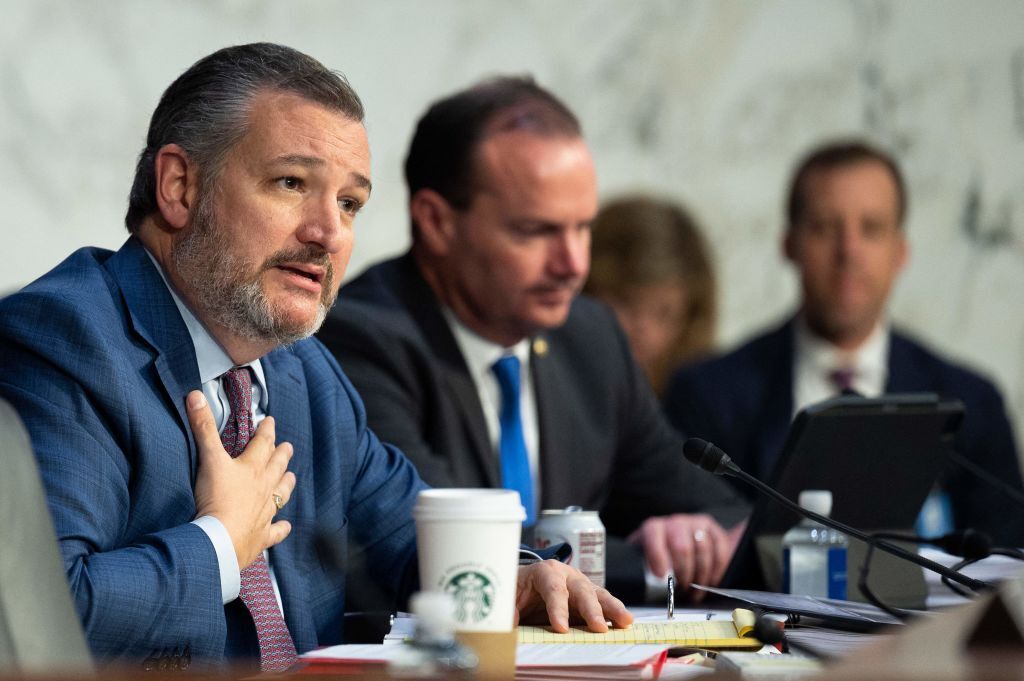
x,y
515,464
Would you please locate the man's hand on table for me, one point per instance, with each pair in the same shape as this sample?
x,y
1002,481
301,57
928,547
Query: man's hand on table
x,y
693,546
552,593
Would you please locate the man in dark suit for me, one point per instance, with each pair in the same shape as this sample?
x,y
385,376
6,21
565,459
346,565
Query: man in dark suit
x,y
193,442
845,237
502,191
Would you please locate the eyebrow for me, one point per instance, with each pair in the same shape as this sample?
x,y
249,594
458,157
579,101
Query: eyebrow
x,y
317,162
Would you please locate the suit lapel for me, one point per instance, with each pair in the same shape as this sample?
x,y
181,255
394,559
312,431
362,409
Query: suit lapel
x,y
471,413
155,318
287,402
556,441
421,304
902,373
778,403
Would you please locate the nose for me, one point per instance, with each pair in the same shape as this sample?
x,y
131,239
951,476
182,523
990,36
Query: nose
x,y
571,253
848,241
324,225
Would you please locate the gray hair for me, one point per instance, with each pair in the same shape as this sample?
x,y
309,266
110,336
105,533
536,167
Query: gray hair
x,y
206,109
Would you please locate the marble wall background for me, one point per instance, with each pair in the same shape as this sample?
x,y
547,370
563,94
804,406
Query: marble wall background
x,y
706,101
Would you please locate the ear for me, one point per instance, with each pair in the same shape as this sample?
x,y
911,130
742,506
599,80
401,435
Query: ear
x,y
903,254
434,217
789,244
176,184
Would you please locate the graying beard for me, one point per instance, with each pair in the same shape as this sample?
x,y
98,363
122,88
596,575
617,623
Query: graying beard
x,y
242,309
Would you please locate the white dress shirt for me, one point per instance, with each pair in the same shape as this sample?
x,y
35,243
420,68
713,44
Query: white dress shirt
x,y
480,355
814,359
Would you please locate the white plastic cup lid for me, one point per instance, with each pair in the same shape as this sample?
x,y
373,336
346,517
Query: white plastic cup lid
x,y
469,505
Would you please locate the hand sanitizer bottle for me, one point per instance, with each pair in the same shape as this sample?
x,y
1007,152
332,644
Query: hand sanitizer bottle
x,y
433,651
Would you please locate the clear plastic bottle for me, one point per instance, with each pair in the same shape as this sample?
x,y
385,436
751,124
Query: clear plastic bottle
x,y
814,556
433,652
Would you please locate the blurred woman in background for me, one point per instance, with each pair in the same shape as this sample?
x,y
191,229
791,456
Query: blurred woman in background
x,y
651,264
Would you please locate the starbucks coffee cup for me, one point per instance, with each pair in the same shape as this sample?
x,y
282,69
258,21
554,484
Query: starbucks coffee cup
x,y
468,543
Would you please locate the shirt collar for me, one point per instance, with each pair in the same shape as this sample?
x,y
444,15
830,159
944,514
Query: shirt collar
x,y
481,354
212,359
869,360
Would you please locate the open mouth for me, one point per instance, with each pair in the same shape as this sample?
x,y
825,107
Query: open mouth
x,y
313,274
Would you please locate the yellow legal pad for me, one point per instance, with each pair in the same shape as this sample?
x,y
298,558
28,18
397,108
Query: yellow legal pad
x,y
700,634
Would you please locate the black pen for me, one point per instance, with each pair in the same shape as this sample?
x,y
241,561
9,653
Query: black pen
x,y
671,597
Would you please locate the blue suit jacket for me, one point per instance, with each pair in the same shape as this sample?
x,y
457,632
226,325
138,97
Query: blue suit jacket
x,y
743,402
97,360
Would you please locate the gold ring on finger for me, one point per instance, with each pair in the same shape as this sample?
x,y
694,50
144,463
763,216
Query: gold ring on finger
x,y
278,501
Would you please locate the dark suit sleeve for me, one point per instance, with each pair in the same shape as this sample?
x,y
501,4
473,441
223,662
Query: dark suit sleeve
x,y
379,503
399,389
153,595
987,440
651,476
689,408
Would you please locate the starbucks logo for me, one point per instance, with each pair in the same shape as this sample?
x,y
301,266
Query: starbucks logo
x,y
474,595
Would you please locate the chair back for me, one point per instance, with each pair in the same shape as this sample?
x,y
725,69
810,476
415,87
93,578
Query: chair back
x,y
40,631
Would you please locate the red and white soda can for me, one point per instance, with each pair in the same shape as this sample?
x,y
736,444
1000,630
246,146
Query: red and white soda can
x,y
583,530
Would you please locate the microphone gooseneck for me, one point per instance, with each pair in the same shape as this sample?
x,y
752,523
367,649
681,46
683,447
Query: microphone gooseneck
x,y
712,459
993,481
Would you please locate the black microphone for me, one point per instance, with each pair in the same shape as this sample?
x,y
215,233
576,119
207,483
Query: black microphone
x,y
970,544
768,632
712,459
705,455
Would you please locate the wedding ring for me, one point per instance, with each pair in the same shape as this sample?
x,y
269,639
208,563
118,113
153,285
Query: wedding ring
x,y
278,501
699,535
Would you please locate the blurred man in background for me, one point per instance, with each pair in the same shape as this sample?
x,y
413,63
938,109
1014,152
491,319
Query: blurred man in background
x,y
845,237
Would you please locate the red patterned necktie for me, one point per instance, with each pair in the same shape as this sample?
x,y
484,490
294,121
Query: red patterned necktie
x,y
277,650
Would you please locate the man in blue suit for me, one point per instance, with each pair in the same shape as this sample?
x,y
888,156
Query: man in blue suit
x,y
845,237
194,443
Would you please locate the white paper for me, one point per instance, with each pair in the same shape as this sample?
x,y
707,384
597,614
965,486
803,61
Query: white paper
x,y
527,654
649,614
354,652
585,654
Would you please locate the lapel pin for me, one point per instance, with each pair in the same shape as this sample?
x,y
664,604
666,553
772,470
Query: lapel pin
x,y
540,347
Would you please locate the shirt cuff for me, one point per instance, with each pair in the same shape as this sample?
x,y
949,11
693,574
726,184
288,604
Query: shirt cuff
x,y
655,587
227,561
